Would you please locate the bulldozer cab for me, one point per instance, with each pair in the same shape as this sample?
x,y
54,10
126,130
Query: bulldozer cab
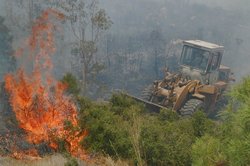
x,y
201,60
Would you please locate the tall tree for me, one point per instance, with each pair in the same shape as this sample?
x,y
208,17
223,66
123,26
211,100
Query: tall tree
x,y
87,21
157,43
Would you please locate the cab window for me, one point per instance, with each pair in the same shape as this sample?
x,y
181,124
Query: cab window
x,y
195,57
215,61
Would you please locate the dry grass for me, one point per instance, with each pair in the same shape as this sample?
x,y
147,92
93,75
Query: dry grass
x,y
59,160
108,161
135,131
55,160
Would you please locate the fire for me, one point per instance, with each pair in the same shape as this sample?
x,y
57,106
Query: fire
x,y
38,100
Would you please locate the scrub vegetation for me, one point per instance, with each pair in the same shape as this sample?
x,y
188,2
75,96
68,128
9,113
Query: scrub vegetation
x,y
124,129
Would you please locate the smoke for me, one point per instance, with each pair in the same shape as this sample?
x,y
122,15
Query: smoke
x,y
128,43
222,22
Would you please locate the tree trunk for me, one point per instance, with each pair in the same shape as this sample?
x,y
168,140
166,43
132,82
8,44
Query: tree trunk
x,y
156,64
30,12
85,72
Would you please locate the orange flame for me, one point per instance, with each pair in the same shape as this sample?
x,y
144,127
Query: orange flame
x,y
38,100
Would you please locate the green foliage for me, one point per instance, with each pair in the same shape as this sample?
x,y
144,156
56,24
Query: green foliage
x,y
201,124
71,162
241,92
101,20
107,130
237,139
125,106
122,101
71,81
168,115
122,129
230,144
207,151
238,151
62,146
167,143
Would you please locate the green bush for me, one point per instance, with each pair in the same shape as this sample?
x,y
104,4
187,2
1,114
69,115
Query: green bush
x,y
168,115
122,129
108,131
230,144
71,162
122,104
72,83
202,125
167,143
208,151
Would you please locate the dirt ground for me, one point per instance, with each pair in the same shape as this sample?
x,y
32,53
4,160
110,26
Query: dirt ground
x,y
59,160
55,160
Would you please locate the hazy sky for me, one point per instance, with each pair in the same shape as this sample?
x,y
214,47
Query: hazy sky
x,y
119,10
227,4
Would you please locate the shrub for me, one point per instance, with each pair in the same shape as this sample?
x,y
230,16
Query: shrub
x,y
122,129
168,115
71,162
72,83
208,151
167,143
230,145
108,131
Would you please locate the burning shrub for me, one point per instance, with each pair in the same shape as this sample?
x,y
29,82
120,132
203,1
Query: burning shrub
x,y
38,100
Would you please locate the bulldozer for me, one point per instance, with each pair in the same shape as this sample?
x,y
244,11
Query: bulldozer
x,y
199,83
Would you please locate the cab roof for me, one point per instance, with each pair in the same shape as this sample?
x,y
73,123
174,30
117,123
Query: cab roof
x,y
204,45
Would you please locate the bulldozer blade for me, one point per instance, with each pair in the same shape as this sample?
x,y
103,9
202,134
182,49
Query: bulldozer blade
x,y
152,107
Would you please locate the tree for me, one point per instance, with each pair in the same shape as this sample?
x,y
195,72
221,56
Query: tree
x,y
7,60
87,21
157,48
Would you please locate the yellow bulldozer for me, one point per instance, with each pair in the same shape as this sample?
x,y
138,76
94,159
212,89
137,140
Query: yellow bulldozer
x,y
199,83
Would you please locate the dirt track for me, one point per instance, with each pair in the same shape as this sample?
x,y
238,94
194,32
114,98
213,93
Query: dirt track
x,y
55,160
